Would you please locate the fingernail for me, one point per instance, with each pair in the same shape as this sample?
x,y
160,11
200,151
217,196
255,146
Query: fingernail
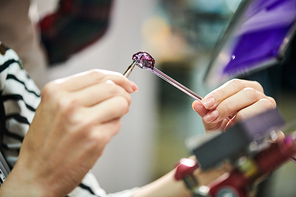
x,y
209,103
211,116
134,86
194,106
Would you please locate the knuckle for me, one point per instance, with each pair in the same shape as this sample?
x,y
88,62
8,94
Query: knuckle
x,y
272,100
227,106
50,90
237,83
68,109
95,141
112,87
65,106
267,103
258,86
240,116
96,75
128,99
66,103
219,93
96,136
251,93
122,104
100,137
117,126
262,105
116,90
79,127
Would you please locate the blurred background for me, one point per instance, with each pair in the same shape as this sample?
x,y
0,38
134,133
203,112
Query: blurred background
x,y
181,36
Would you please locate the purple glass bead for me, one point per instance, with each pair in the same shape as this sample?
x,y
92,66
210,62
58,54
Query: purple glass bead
x,y
144,60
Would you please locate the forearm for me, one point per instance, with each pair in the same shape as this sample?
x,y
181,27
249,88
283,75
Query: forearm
x,y
18,185
169,186
165,186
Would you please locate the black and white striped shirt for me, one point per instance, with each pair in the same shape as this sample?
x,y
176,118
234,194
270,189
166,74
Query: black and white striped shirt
x,y
19,98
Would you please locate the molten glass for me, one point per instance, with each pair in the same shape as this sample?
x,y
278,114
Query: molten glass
x,y
144,60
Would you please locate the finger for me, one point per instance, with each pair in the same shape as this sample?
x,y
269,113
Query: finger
x,y
219,126
214,98
88,78
133,85
92,145
202,111
280,136
105,132
110,109
199,108
254,109
102,134
95,94
238,101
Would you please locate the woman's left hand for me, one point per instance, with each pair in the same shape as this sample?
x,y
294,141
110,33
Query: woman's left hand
x,y
237,99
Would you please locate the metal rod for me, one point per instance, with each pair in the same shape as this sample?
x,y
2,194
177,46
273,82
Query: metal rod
x,y
130,69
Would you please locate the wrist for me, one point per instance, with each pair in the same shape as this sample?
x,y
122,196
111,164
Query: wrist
x,y
195,179
23,181
16,185
185,172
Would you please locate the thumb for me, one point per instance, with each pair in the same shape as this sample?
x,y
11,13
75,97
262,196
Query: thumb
x,y
199,108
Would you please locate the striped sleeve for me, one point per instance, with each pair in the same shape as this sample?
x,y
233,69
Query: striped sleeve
x,y
89,187
19,99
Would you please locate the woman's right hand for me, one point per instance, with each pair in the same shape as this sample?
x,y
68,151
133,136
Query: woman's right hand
x,y
76,118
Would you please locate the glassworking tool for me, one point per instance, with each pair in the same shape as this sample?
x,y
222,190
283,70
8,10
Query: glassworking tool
x,y
128,71
145,60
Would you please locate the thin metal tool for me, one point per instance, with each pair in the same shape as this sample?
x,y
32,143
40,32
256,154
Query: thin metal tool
x,y
176,84
130,69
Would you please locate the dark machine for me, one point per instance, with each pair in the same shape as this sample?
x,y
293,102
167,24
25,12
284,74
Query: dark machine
x,y
250,147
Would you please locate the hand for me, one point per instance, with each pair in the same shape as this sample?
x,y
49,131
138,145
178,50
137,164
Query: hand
x,y
75,120
239,99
